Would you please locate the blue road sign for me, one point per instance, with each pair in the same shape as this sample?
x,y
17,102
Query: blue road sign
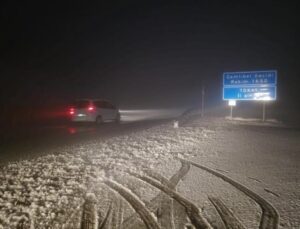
x,y
254,85
250,78
249,93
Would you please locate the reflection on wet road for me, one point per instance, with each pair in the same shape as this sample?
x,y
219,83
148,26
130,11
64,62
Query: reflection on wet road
x,y
28,142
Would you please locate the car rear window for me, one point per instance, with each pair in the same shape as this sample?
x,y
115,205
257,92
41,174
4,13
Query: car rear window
x,y
104,104
81,104
99,104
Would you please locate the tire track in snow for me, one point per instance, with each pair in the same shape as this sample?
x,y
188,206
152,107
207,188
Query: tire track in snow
x,y
165,211
270,216
89,214
117,214
271,192
192,210
120,214
154,205
229,219
163,204
136,203
105,220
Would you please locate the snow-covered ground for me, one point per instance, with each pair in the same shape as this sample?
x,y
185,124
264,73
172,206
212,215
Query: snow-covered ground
x,y
118,181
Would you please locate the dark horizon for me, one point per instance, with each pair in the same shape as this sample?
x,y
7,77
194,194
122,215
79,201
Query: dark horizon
x,y
144,55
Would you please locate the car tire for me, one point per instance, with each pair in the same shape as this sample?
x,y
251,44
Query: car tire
x,y
99,120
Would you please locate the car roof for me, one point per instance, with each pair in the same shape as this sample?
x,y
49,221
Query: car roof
x,y
94,100
104,100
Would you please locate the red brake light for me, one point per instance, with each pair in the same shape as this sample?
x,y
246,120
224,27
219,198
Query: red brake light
x,y
72,111
91,108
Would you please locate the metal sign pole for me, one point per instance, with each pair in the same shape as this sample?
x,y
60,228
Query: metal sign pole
x,y
264,111
231,103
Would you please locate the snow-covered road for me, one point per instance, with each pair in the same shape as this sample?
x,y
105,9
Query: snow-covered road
x,y
153,178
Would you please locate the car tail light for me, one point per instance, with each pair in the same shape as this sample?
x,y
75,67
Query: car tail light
x,y
72,111
91,108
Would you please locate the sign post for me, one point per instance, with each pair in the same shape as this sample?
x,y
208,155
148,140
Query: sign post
x,y
231,103
264,112
250,86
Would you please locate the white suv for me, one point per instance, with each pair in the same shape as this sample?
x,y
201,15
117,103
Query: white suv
x,y
94,110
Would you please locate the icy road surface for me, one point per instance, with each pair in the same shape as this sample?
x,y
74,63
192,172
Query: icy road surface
x,y
31,141
207,173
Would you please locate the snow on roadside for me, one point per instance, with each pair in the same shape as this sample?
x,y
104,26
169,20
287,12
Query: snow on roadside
x,y
43,192
50,190
255,121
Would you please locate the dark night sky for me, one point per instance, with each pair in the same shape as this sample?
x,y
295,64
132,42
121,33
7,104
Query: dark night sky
x,y
144,53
